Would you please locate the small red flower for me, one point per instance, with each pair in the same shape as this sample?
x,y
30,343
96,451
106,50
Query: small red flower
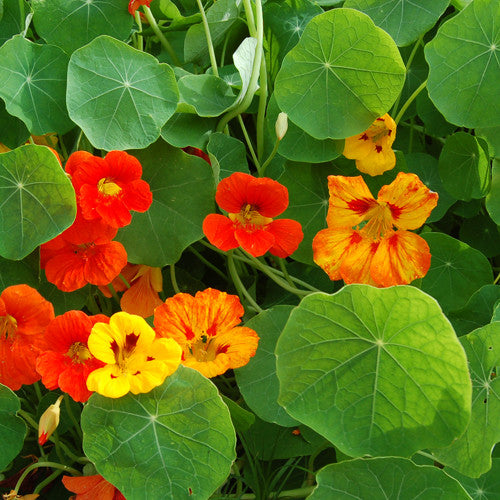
x,y
24,316
110,187
135,4
252,203
67,362
82,254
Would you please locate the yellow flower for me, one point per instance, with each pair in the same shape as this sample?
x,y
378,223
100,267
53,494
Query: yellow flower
x,y
372,149
136,360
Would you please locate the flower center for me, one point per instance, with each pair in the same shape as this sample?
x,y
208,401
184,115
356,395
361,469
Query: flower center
x,y
107,187
378,130
8,326
122,355
78,352
380,221
249,218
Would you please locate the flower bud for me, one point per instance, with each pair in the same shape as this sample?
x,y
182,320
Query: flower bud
x,y
49,421
281,125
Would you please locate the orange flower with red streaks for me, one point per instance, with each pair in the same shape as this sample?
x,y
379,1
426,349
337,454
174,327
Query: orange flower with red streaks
x,y
84,253
372,149
142,297
205,326
24,316
67,362
367,240
110,187
91,488
252,203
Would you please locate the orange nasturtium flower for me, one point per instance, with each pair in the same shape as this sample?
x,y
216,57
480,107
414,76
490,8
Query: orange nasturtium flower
x,y
24,316
91,488
135,4
367,240
252,203
136,361
109,187
142,297
67,361
372,149
205,327
82,254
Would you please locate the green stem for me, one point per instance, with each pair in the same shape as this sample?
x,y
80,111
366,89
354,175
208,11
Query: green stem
x,y
284,270
113,293
247,4
211,52
160,35
38,391
28,418
215,269
140,38
72,417
297,493
409,101
254,77
173,279
52,465
497,279
238,284
270,157
127,284
261,113
46,481
249,143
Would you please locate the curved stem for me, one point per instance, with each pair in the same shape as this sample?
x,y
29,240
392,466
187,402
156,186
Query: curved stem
x,y
409,101
206,27
52,465
249,143
215,269
240,287
140,38
173,279
247,4
160,35
261,113
297,493
46,481
269,158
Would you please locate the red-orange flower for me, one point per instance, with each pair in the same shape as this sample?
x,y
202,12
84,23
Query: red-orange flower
x,y
82,254
110,187
67,361
205,326
91,488
190,150
142,297
372,149
252,203
135,4
24,316
367,240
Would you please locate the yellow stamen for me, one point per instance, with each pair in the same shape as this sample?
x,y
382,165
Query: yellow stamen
x,y
8,326
78,352
108,187
379,221
250,218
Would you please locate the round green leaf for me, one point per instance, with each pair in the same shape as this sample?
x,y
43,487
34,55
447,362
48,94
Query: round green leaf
x,y
227,155
298,145
404,20
33,85
12,21
70,24
176,441
375,371
13,131
258,377
492,137
12,427
456,271
383,479
434,122
471,453
486,487
352,72
183,194
184,129
464,66
37,200
464,167
119,96
493,197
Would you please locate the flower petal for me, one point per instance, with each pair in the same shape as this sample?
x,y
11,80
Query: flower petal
x,y
109,381
410,200
219,230
400,259
141,298
287,236
378,161
256,242
350,201
355,267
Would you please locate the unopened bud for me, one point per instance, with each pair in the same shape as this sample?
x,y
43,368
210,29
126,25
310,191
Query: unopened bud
x,y
49,421
281,125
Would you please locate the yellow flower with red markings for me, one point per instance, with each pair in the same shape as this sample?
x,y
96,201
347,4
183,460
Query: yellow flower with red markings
x,y
372,149
205,326
368,240
136,361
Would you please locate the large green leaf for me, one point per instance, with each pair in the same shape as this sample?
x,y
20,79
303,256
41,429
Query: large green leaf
x,y
119,96
33,85
258,377
37,200
471,453
176,441
404,20
375,371
12,427
70,24
464,66
464,167
13,131
352,72
184,129
486,487
11,22
456,271
383,479
227,155
183,194
493,197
